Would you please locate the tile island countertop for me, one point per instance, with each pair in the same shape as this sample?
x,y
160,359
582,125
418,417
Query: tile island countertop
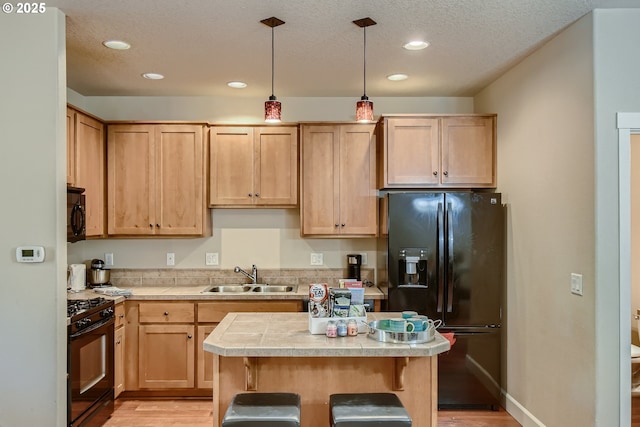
x,y
287,335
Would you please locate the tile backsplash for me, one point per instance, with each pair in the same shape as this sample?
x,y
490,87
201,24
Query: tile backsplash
x,y
194,277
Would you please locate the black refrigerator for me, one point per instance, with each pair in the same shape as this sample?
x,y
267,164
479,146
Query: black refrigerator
x,y
446,260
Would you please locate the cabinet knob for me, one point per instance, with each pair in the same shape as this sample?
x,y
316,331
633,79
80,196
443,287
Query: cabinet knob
x,y
435,173
151,225
445,173
118,342
257,194
337,225
121,316
166,313
343,225
189,336
158,225
250,195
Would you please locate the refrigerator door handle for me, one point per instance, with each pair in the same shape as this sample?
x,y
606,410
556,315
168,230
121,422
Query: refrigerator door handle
x,y
440,226
450,258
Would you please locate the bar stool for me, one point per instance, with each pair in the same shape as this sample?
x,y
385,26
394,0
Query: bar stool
x,y
368,410
263,410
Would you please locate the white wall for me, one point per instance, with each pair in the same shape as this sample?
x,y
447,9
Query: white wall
x,y
546,175
32,182
269,238
635,235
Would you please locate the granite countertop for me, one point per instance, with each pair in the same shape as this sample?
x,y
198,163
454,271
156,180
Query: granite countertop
x,y
194,293
287,335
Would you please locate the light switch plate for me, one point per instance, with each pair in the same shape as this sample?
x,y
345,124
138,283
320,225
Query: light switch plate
x,y
317,258
108,259
576,284
171,258
211,258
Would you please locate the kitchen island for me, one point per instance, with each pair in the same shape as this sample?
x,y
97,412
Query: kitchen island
x,y
274,352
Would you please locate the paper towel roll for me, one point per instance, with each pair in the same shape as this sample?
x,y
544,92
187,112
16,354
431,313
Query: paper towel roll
x,y
77,277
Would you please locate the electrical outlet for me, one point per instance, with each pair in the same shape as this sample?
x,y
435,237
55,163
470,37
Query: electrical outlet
x,y
576,284
171,258
108,259
317,259
211,258
364,259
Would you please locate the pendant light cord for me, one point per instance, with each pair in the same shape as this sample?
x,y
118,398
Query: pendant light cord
x,y
272,59
364,62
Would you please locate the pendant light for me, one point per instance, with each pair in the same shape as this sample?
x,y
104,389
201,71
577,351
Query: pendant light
x,y
364,107
272,107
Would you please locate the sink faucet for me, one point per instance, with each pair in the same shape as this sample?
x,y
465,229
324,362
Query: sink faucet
x,y
253,276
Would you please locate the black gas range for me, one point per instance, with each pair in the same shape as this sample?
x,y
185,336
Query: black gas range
x,y
90,361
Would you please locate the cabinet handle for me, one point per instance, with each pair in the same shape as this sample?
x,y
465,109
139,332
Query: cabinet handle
x,y
151,225
158,225
257,194
435,173
250,195
166,313
118,342
189,336
343,225
337,225
445,173
121,316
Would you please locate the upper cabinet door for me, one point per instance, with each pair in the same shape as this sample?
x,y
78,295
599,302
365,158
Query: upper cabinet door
x,y
231,166
131,180
276,166
319,200
90,171
358,194
179,177
412,152
469,151
71,147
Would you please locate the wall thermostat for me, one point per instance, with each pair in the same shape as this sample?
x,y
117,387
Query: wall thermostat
x,y
30,254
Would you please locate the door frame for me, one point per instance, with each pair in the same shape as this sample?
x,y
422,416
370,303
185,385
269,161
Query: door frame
x,y
628,124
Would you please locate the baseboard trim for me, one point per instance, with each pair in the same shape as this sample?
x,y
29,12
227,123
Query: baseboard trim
x,y
520,413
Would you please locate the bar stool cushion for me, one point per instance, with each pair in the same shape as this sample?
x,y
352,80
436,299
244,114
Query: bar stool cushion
x,y
263,410
368,410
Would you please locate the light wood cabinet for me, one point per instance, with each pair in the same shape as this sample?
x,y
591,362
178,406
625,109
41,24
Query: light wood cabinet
x,y
338,180
86,163
253,166
119,349
426,151
156,178
164,354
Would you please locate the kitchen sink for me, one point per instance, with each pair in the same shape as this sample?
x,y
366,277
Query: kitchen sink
x,y
227,288
274,288
260,287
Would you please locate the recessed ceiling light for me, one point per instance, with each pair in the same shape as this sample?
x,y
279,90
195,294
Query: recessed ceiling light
x,y
237,85
416,45
116,44
397,77
153,76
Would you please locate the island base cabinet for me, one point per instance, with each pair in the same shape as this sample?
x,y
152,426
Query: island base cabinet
x,y
413,380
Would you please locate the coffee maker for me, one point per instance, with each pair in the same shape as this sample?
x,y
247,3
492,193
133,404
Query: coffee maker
x,y
412,267
354,262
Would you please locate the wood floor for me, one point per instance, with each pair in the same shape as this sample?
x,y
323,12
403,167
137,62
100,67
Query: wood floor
x,y
197,413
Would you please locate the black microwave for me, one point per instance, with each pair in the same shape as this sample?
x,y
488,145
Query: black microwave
x,y
75,214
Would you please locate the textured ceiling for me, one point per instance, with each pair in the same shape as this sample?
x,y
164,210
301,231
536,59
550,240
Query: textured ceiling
x,y
200,45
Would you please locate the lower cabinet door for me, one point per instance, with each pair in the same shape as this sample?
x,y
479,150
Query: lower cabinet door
x,y
205,359
118,371
166,356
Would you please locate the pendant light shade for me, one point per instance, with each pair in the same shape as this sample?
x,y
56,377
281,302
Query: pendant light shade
x,y
272,107
364,107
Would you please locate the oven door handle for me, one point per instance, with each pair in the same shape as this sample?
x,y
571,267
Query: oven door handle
x,y
93,327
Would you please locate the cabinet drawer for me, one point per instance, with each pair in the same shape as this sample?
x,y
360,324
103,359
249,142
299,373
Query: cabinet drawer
x,y
119,313
213,312
166,312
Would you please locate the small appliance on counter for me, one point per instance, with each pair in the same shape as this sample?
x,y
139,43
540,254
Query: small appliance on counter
x,y
354,262
98,275
77,280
